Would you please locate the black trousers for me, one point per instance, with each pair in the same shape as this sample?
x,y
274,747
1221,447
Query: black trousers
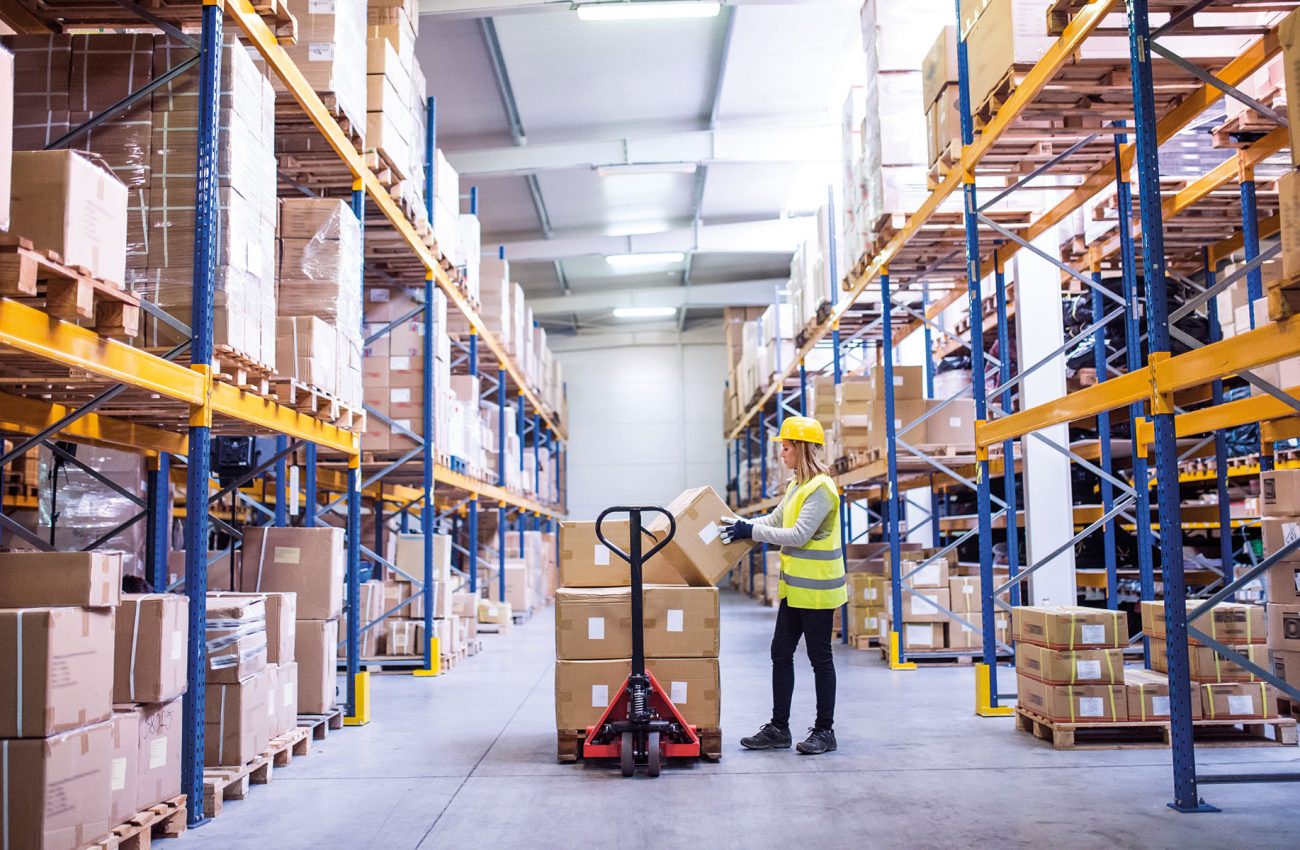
x,y
814,626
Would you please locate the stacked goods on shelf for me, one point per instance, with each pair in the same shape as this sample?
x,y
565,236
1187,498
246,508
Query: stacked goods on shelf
x,y
1070,663
868,604
22,475
79,506
446,208
593,627
318,330
924,627
399,113
57,681
245,311
331,54
939,99
1280,506
401,632
1224,690
6,134
966,596
734,320
393,370
238,711
531,573
306,562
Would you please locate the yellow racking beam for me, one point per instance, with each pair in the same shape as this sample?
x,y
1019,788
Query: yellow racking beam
x,y
1161,377
268,45
1055,57
29,416
246,407
1223,250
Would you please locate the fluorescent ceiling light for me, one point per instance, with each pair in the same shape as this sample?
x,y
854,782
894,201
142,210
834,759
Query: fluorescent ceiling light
x,y
638,261
622,169
644,312
642,10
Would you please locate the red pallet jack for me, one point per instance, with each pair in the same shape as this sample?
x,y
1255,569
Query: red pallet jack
x,y
641,725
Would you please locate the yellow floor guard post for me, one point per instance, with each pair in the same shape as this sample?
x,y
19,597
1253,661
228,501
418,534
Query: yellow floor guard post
x,y
435,661
362,716
894,663
984,693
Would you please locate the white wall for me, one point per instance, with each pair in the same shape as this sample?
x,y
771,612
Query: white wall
x,y
645,422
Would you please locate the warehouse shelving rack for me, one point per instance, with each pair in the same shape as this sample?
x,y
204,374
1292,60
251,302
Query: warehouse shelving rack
x,y
110,394
1155,381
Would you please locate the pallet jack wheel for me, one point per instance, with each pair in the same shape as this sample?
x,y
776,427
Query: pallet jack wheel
x,y
626,755
654,757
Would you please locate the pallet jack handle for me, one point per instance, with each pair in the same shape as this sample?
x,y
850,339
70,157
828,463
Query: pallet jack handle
x,y
635,559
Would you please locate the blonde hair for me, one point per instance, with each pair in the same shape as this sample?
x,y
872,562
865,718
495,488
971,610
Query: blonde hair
x,y
808,462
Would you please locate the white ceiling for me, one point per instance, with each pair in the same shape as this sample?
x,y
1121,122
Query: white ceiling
x,y
596,93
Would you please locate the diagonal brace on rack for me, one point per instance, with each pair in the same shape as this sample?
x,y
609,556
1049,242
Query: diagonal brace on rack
x,y
952,615
23,532
1249,376
949,548
1225,282
920,317
372,479
1039,252
93,473
1064,347
1208,78
1045,167
951,473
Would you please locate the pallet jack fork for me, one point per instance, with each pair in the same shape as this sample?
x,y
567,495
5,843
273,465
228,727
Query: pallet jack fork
x,y
641,726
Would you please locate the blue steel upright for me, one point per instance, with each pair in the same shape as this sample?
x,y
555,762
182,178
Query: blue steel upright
x,y
1103,442
353,575
159,518
501,478
1254,277
1186,798
429,515
198,466
837,377
1220,442
281,484
891,494
970,210
1008,446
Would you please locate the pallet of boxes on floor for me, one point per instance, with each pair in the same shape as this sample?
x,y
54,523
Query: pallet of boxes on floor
x,y
1280,506
1075,690
93,679
593,626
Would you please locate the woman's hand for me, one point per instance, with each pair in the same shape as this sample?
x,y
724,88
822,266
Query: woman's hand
x,y
735,528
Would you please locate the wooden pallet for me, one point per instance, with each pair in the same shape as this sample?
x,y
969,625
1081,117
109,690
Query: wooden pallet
x,y
568,744
316,402
864,641
164,820
1152,734
1283,298
239,370
319,725
231,783
937,657
66,292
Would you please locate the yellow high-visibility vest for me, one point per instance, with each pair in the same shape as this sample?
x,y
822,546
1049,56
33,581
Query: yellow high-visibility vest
x,y
812,576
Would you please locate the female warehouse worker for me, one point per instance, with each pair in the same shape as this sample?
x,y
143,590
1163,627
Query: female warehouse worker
x,y
806,525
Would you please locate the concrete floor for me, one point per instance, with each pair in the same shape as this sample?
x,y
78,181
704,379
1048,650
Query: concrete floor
x,y
468,760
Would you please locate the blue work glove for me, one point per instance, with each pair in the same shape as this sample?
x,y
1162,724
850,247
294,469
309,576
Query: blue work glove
x,y
734,528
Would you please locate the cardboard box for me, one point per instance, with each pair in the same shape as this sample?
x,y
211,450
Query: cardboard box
x,y
934,573
939,68
1288,187
1279,493
55,579
964,593
159,759
519,585
305,561
586,562
1232,700
404,637
124,732
237,720
64,800
961,636
1230,623
464,604
286,700
1284,627
1073,703
1289,35
583,689
65,202
1148,695
1070,667
498,613
409,556
1286,666
56,670
680,622
151,638
1069,627
316,644
1276,532
1206,665
917,610
236,636
696,550
915,636
868,590
592,623
281,611
6,134
954,425
864,620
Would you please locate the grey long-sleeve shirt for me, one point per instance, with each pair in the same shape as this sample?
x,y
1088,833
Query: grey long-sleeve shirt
x,y
815,521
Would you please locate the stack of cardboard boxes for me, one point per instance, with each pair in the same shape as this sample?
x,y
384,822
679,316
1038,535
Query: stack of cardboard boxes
x,y
1070,663
330,51
403,632
393,371
531,574
79,762
1222,690
1279,501
306,563
593,625
932,585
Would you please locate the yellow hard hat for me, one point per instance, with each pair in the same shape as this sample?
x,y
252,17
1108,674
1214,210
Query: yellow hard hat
x,y
803,428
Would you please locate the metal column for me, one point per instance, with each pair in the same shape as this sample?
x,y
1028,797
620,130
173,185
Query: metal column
x,y
986,680
1220,442
158,521
1099,361
1166,448
357,712
199,460
309,486
501,480
1008,446
281,484
897,653
428,513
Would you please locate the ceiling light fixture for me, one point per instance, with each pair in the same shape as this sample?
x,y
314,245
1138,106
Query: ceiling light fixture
x,y
644,312
620,169
644,10
638,261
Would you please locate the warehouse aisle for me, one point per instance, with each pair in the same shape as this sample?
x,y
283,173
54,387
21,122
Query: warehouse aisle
x,y
469,760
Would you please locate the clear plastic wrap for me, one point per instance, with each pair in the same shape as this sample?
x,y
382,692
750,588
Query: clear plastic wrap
x,y
236,630
81,509
320,269
331,53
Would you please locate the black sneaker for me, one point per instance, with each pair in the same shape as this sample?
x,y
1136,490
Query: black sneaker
x,y
768,738
819,741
